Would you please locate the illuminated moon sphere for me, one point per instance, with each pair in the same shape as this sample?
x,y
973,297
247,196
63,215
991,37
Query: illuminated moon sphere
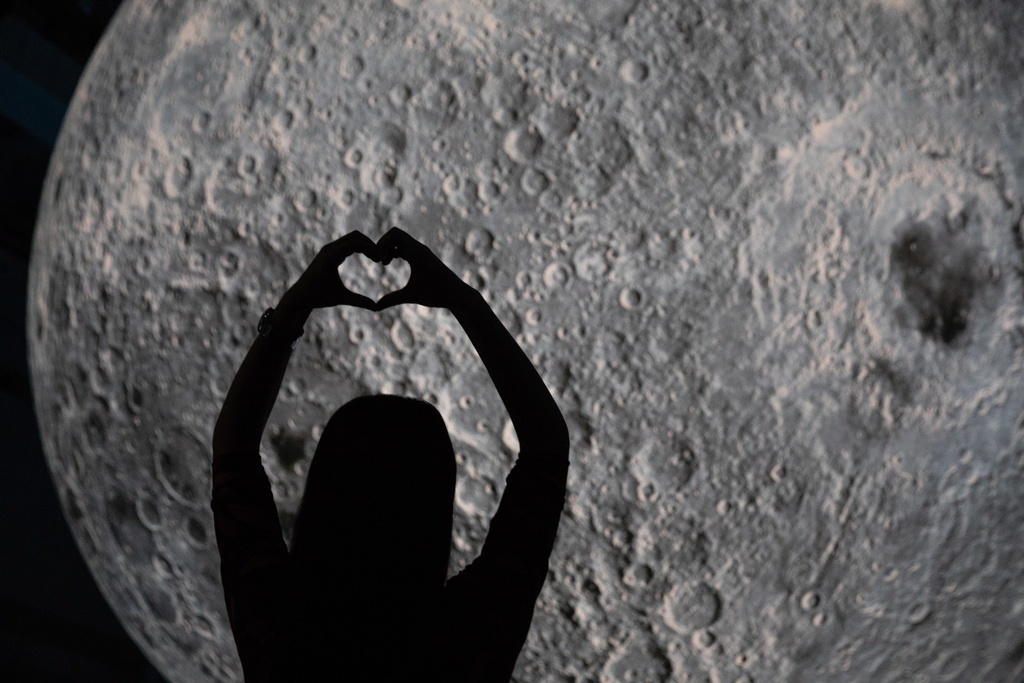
x,y
767,255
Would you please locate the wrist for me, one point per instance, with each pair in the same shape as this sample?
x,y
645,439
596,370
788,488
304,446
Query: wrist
x,y
464,299
290,314
292,304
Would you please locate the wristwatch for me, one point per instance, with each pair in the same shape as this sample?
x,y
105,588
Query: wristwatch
x,y
265,328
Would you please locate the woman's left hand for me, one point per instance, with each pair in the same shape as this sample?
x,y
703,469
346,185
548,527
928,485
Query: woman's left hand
x,y
320,286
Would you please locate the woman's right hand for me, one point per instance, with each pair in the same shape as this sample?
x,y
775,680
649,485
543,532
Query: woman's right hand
x,y
431,282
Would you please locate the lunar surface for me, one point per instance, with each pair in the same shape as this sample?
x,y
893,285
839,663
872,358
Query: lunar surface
x,y
768,256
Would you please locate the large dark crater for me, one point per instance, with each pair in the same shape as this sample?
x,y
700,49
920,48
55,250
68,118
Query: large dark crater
x,y
940,272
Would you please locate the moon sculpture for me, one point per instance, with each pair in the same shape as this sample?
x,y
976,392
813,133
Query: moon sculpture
x,y
768,256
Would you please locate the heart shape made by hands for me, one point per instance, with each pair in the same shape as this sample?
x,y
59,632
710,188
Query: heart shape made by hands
x,y
365,276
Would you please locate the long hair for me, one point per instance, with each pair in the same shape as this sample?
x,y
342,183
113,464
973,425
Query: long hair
x,y
372,536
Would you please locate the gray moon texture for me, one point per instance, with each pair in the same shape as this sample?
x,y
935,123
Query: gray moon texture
x,y
768,257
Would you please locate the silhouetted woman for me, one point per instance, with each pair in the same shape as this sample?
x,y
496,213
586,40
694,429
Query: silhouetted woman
x,y
362,593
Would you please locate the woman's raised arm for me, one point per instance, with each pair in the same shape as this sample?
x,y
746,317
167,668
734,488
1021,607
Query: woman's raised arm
x,y
538,422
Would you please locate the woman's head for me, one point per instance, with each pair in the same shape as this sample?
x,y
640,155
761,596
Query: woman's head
x,y
377,507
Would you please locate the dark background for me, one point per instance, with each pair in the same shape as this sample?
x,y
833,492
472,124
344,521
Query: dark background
x,y
54,623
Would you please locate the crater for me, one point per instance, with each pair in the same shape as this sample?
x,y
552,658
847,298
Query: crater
x,y
173,466
937,271
290,448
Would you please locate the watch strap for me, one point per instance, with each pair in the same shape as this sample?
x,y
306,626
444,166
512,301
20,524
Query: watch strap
x,y
268,330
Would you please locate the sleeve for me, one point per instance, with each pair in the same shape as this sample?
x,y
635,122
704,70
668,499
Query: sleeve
x,y
505,581
253,554
522,532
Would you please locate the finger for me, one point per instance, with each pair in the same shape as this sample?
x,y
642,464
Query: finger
x,y
352,237
364,243
388,241
378,255
402,296
394,243
351,243
361,301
